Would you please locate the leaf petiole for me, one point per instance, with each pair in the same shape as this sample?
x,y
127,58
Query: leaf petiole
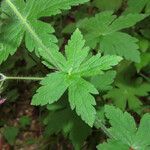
x,y
4,78
100,124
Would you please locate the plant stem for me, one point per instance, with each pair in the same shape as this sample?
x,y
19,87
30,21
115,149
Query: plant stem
x,y
100,124
145,77
29,28
24,78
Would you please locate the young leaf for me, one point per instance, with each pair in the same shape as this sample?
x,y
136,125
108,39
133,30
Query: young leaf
x,y
103,30
53,87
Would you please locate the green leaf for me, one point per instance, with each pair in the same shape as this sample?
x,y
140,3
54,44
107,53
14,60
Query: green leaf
x,y
77,66
106,5
38,35
75,50
103,82
97,64
11,33
103,30
129,94
80,98
69,124
125,133
145,60
135,6
143,133
126,21
50,7
122,45
123,126
143,44
52,88
10,134
113,145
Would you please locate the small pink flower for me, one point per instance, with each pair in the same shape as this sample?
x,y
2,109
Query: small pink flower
x,y
2,101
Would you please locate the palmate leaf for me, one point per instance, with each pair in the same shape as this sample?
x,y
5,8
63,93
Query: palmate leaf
x,y
70,124
23,20
104,29
124,130
80,91
129,94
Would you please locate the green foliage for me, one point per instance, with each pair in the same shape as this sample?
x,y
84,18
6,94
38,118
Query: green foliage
x,y
70,124
145,60
125,94
106,5
136,6
105,26
24,21
103,82
80,90
10,134
125,133
80,82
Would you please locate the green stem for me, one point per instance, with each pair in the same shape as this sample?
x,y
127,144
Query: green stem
x,y
28,27
100,124
24,78
145,77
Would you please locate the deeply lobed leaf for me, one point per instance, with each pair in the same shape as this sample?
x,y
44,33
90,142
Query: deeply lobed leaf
x,y
103,30
125,133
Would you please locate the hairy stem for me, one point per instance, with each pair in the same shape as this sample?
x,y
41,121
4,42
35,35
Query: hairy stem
x,y
24,78
145,77
4,78
100,124
29,28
